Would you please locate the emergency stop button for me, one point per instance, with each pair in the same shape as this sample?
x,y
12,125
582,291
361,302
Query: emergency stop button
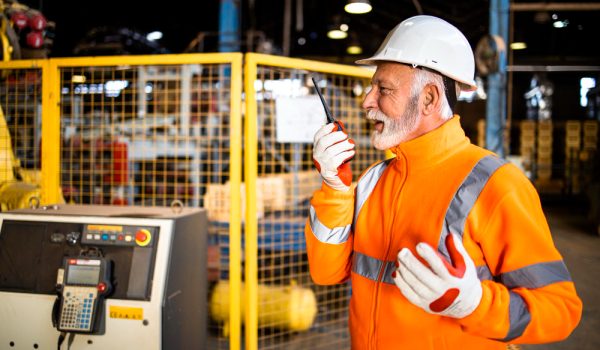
x,y
143,237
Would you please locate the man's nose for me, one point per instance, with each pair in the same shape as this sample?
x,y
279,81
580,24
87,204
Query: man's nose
x,y
369,102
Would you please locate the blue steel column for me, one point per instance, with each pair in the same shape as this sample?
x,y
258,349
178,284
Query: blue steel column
x,y
229,28
496,95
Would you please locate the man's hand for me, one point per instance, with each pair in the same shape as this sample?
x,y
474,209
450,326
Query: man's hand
x,y
330,150
444,289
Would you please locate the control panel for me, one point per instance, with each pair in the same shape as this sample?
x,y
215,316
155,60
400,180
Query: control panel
x,y
127,236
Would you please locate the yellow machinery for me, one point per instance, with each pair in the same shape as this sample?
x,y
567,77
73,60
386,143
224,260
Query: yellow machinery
x,y
291,307
18,187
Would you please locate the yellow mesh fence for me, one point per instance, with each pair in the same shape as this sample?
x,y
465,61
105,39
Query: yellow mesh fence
x,y
153,130
153,135
292,312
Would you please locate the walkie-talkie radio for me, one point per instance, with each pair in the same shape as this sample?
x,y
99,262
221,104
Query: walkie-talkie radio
x,y
344,171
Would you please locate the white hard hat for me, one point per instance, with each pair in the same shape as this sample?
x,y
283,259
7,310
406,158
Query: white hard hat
x,y
431,42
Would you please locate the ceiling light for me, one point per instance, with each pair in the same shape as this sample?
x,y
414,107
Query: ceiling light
x,y
519,45
358,6
560,24
337,34
354,50
344,27
153,36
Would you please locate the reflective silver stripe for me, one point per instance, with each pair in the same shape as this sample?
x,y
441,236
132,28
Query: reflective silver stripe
x,y
387,272
367,183
369,267
465,198
325,234
366,266
519,316
537,275
484,273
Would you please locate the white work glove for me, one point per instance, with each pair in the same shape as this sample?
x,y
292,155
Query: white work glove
x,y
331,149
446,289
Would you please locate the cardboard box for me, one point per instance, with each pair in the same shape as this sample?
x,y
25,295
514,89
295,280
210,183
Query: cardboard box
x,y
217,201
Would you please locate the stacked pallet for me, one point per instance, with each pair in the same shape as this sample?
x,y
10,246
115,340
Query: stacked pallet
x,y
544,150
527,142
590,136
572,149
589,149
481,132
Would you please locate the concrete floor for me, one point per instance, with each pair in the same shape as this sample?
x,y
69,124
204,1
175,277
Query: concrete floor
x,y
579,243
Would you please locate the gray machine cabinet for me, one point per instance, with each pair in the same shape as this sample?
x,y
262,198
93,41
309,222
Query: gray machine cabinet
x,y
159,297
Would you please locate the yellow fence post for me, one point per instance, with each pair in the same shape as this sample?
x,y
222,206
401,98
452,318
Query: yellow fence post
x,y
250,171
235,172
51,144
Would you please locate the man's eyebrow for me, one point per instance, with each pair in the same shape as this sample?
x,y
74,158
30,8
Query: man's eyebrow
x,y
379,81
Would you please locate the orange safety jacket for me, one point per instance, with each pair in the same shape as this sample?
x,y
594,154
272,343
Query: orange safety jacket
x,y
440,183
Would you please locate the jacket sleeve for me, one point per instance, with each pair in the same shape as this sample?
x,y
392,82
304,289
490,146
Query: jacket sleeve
x,y
329,239
531,298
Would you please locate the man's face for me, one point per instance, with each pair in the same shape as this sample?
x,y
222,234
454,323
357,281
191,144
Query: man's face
x,y
391,106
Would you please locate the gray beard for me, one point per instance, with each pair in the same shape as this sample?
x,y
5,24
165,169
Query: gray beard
x,y
396,130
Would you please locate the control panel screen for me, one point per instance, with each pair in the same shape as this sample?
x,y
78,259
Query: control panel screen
x,y
82,274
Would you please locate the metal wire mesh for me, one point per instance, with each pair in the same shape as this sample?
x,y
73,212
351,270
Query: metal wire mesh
x,y
286,181
149,135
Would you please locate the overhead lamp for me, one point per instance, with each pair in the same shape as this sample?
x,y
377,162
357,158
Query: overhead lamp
x,y
354,47
153,36
358,6
354,50
338,32
518,45
560,24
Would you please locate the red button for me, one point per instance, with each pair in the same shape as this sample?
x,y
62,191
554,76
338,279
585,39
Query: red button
x,y
120,237
101,287
141,236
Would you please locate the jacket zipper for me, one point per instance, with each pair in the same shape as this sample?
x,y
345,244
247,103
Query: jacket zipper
x,y
371,338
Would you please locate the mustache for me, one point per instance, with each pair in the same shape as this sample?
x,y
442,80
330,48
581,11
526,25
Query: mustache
x,y
375,114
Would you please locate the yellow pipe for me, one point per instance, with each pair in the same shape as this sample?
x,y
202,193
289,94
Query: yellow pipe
x,y
195,58
316,66
288,307
51,144
235,216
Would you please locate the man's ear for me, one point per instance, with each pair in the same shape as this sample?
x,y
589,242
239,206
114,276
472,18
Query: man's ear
x,y
431,99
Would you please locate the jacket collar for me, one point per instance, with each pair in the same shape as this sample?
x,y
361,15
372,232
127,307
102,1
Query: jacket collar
x,y
433,147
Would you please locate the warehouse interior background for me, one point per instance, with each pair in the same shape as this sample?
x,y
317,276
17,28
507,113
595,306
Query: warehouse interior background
x,y
538,104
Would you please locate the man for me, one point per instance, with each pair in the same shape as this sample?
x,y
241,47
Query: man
x,y
446,245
